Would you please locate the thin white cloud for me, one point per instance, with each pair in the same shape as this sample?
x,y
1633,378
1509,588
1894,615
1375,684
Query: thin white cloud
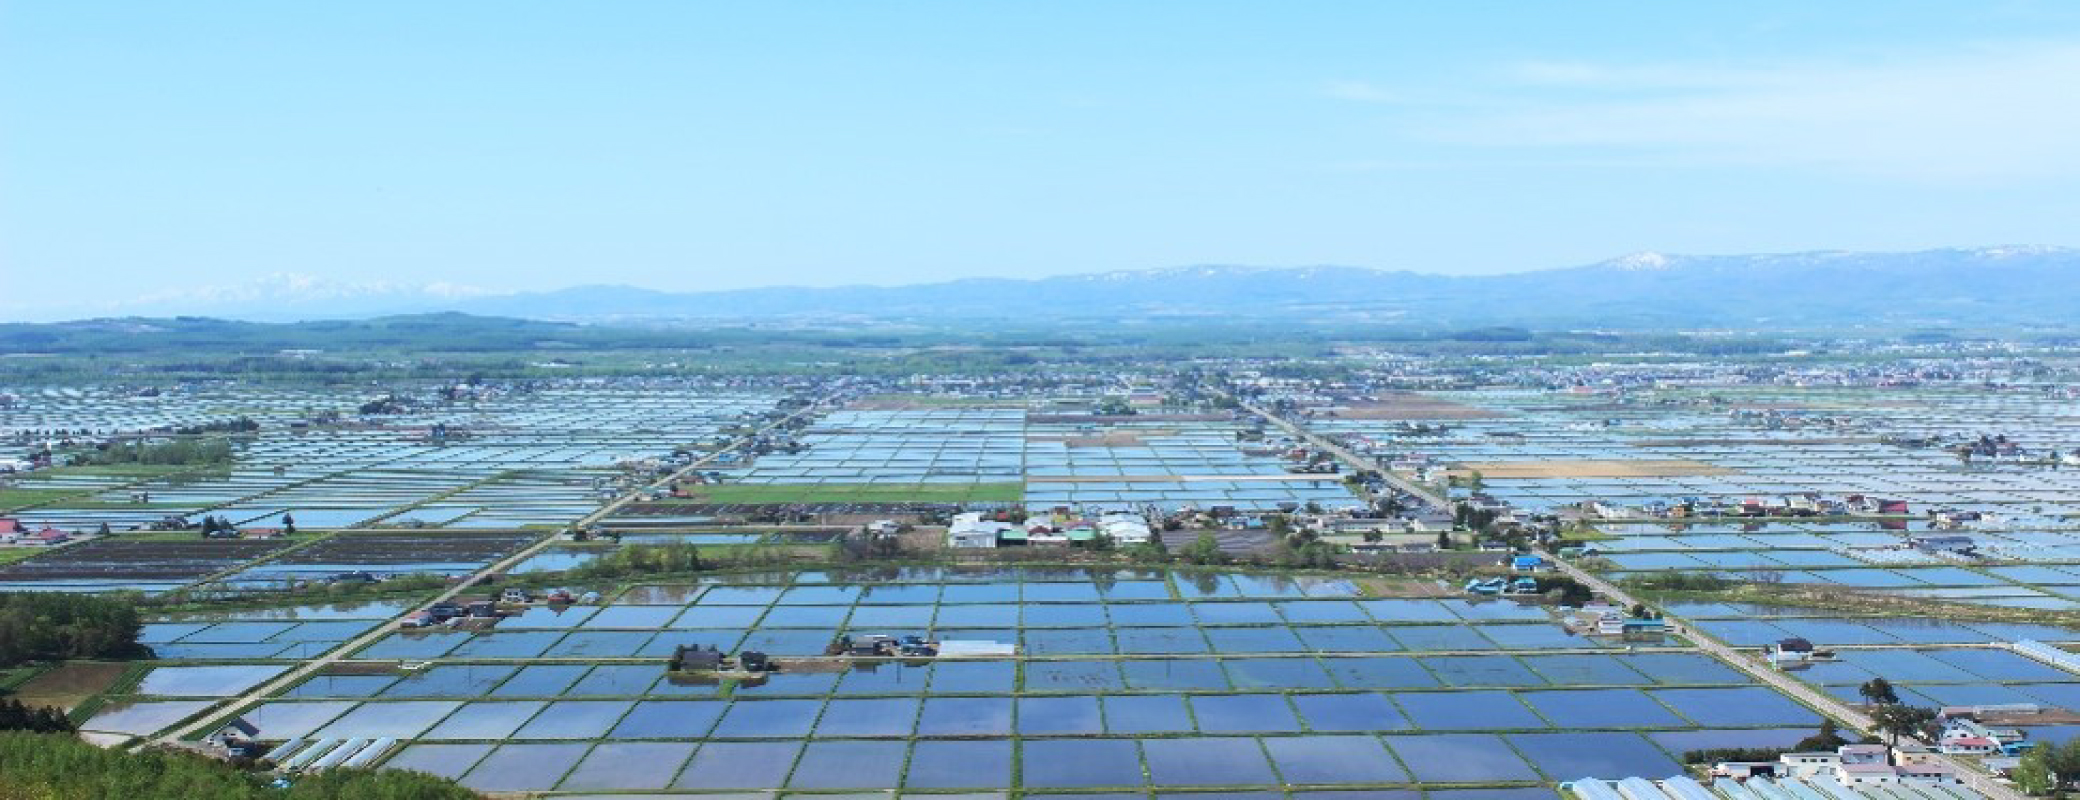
x,y
1990,115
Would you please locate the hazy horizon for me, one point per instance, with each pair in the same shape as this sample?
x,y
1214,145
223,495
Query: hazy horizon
x,y
1972,286
306,287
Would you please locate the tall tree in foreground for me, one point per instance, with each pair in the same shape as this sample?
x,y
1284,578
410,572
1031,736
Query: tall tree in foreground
x,y
1896,720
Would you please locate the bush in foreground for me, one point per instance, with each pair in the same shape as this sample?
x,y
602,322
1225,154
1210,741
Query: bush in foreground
x,y
49,766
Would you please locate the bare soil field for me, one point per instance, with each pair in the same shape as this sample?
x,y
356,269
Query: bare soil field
x,y
1407,406
363,668
70,684
925,539
410,546
1668,468
143,560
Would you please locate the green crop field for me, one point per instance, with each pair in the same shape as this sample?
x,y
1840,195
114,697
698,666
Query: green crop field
x,y
11,499
9,555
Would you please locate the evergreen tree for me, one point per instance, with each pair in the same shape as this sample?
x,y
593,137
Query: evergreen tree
x,y
1829,738
37,626
1896,720
17,716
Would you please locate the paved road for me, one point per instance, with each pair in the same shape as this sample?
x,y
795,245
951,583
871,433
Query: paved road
x,y
1755,667
258,693
1761,671
1350,459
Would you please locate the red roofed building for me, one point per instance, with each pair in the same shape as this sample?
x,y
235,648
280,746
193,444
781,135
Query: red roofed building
x,y
1970,746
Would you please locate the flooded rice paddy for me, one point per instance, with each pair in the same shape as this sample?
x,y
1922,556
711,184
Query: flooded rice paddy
x,y
1128,680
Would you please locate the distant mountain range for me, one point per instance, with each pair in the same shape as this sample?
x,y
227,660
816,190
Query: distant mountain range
x,y
1971,287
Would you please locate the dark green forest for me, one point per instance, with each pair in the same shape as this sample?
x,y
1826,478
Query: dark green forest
x,y
18,716
38,626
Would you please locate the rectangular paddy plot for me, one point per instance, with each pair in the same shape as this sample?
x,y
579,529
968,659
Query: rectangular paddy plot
x,y
1540,450
112,565
528,457
985,456
942,446
441,552
1128,680
291,633
1932,663
1857,555
535,457
1165,462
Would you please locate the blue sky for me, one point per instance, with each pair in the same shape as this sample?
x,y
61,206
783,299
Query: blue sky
x,y
162,148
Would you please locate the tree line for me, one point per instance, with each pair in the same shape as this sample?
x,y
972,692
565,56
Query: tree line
x,y
18,716
43,626
1826,739
643,559
180,453
2048,767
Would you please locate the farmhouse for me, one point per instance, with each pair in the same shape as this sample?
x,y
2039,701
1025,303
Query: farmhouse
x,y
1125,528
1853,765
1943,543
970,530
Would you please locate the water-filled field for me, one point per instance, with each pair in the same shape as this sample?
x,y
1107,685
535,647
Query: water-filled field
x,y
1126,680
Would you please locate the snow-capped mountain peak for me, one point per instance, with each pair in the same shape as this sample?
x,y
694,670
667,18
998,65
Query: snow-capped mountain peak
x,y
1643,261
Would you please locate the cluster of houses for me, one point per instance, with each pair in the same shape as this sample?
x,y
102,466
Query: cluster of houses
x,y
1600,618
973,530
466,613
450,613
1950,519
1853,765
1800,504
1964,734
1857,765
13,532
695,658
1995,447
